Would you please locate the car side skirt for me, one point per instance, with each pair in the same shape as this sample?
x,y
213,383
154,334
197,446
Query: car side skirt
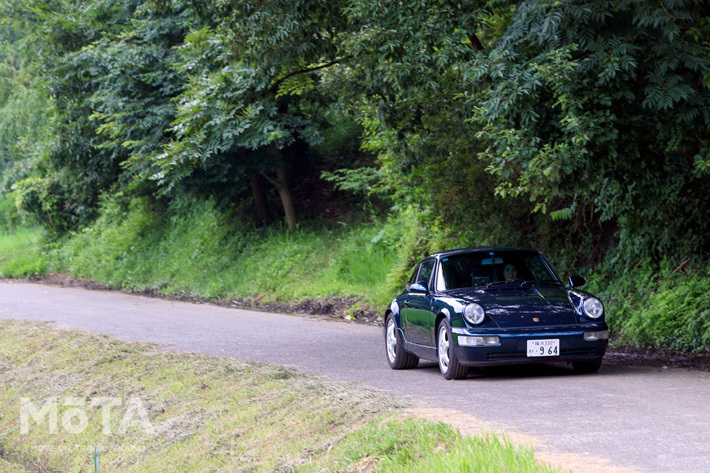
x,y
422,351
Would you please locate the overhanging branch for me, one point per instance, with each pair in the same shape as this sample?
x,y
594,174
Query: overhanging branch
x,y
276,85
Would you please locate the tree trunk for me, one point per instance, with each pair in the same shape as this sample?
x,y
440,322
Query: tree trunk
x,y
262,209
281,184
286,200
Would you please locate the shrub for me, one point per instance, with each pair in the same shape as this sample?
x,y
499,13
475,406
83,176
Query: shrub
x,y
657,306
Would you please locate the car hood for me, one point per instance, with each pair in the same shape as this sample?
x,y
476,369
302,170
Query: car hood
x,y
529,306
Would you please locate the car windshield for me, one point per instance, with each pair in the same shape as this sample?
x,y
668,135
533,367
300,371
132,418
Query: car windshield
x,y
489,268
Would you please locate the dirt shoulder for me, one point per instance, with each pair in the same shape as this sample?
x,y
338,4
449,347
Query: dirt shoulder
x,y
353,310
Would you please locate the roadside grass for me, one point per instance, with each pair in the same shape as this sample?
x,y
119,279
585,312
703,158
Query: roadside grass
x,y
413,446
199,252
7,467
657,306
211,414
21,252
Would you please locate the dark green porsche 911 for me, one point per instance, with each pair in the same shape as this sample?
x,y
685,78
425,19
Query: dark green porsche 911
x,y
492,306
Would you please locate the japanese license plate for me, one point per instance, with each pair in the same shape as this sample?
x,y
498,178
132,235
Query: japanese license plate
x,y
544,347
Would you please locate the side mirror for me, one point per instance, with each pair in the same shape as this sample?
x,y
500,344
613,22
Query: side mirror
x,y
575,281
418,288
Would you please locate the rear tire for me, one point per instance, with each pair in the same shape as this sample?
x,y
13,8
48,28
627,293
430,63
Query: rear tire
x,y
448,362
587,366
394,347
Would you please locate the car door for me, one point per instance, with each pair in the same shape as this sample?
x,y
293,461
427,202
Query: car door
x,y
417,308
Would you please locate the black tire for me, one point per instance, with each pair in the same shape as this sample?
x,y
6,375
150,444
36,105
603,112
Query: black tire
x,y
587,366
448,362
394,347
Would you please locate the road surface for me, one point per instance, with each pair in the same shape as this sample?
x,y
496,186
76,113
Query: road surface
x,y
650,419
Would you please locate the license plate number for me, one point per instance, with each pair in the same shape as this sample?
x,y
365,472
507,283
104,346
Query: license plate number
x,y
544,347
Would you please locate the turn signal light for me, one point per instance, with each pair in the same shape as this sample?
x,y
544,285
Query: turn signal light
x,y
465,341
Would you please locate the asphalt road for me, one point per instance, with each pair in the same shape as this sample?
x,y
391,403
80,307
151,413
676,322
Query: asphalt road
x,y
655,420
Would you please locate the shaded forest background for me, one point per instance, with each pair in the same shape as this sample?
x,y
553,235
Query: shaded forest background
x,y
367,133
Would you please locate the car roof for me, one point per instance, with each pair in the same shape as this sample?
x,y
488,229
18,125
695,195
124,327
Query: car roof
x,y
469,250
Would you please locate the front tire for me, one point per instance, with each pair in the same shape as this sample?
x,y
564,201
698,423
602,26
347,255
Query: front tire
x,y
587,366
448,361
394,346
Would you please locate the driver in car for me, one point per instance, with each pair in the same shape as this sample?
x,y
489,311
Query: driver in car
x,y
510,272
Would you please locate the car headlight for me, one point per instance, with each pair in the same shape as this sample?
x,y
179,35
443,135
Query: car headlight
x,y
474,313
593,307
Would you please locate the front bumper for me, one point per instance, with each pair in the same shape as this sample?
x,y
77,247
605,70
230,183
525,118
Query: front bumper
x,y
513,345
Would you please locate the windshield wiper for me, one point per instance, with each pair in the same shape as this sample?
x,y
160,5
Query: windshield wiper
x,y
527,282
496,283
549,281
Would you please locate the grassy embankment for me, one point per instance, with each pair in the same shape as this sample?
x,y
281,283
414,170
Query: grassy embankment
x,y
211,414
666,307
199,252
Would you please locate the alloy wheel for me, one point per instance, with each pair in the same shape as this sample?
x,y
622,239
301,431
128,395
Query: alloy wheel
x,y
391,340
443,349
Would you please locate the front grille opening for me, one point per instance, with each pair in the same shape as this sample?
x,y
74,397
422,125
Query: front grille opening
x,y
516,355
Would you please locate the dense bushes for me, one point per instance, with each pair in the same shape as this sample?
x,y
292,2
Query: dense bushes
x,y
663,306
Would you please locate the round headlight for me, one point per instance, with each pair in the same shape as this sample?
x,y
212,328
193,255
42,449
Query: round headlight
x,y
593,307
474,313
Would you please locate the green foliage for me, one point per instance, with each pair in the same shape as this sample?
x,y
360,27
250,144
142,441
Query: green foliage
x,y
250,96
46,201
220,120
592,115
24,114
360,180
200,251
133,102
22,252
108,68
420,446
677,316
72,161
9,216
411,94
657,306
602,104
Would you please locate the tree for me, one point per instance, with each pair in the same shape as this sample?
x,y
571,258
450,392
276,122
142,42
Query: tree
x,y
108,70
602,108
406,84
252,95
24,114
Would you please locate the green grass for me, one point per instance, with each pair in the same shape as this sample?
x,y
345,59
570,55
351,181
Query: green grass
x,y
199,252
412,446
664,306
214,414
7,467
21,252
